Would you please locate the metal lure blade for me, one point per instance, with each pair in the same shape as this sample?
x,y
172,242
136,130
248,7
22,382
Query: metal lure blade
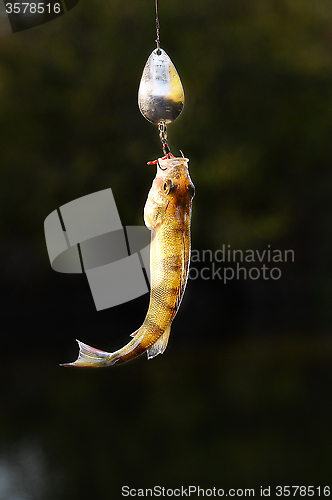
x,y
160,94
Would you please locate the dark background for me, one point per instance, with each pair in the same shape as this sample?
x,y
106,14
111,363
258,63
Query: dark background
x,y
241,397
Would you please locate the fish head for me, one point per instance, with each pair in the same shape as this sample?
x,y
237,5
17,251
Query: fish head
x,y
172,190
174,182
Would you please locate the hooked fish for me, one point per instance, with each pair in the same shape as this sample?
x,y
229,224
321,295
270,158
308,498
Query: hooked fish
x,y
167,214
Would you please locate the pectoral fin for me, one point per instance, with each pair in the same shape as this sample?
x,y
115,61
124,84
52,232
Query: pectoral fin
x,y
160,345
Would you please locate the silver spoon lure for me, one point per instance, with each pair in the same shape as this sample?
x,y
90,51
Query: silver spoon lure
x,y
160,94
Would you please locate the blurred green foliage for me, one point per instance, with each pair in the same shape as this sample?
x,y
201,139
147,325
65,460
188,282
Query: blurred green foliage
x,y
256,124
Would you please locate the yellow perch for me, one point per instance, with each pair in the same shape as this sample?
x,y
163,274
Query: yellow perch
x,y
167,214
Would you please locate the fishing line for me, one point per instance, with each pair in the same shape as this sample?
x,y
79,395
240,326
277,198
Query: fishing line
x,y
157,26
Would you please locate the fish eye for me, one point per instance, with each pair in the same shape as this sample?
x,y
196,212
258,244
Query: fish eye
x,y
168,186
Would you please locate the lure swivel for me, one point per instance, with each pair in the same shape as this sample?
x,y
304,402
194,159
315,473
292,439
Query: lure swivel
x,y
163,138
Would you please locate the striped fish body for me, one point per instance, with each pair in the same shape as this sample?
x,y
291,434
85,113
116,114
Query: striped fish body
x,y
167,214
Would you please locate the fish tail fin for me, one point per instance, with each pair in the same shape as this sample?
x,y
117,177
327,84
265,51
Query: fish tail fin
x,y
89,357
160,345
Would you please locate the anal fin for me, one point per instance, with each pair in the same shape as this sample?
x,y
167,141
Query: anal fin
x,y
160,345
135,333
